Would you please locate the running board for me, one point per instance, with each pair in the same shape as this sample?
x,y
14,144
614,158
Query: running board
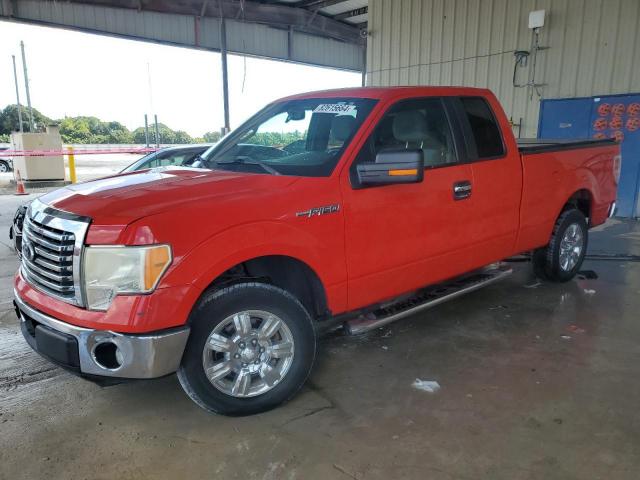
x,y
427,298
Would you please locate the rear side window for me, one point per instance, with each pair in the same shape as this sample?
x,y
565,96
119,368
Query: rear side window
x,y
484,127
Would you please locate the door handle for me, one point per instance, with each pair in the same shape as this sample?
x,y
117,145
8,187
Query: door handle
x,y
461,190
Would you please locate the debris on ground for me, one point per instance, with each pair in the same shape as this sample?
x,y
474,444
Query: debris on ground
x,y
587,275
588,291
565,337
387,334
575,329
384,347
429,386
344,471
533,285
499,307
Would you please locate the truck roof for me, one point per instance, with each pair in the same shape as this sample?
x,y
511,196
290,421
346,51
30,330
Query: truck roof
x,y
380,93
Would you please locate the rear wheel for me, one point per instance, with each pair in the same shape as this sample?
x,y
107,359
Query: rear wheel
x,y
562,258
4,166
251,348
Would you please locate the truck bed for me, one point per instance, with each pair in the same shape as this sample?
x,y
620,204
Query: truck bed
x,y
538,145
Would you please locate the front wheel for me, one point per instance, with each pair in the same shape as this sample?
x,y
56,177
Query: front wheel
x,y
562,258
251,348
4,166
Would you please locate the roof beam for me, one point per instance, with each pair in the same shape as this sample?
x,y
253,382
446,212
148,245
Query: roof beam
x,y
317,4
351,13
276,15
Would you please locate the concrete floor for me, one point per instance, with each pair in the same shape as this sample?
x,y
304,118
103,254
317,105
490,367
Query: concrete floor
x,y
538,381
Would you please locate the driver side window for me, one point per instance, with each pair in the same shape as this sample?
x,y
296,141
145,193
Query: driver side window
x,y
413,124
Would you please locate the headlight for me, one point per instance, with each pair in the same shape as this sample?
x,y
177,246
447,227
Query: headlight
x,y
109,271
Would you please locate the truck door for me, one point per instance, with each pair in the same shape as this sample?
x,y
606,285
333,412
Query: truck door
x,y
401,237
497,177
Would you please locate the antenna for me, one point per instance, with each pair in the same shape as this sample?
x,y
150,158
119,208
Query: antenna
x,y
26,86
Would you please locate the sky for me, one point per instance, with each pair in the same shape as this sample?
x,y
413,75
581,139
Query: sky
x,y
73,73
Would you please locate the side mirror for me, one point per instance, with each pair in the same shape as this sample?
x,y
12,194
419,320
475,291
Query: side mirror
x,y
393,166
295,115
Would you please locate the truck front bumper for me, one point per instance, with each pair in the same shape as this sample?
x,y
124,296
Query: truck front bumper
x,y
101,353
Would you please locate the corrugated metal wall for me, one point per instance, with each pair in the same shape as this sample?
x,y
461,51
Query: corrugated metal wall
x,y
250,38
594,48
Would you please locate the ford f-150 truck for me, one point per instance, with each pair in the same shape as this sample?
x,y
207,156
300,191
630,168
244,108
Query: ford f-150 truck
x,y
355,206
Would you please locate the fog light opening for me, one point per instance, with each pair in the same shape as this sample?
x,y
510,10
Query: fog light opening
x,y
107,355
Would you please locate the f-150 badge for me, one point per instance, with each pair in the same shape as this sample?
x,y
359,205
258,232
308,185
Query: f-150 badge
x,y
317,211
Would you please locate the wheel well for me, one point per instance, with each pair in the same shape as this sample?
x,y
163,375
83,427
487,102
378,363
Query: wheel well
x,y
581,200
287,273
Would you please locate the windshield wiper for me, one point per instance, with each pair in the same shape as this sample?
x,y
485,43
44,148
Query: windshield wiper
x,y
245,160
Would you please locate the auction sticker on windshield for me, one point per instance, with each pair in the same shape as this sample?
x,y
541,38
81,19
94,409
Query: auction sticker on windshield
x,y
341,108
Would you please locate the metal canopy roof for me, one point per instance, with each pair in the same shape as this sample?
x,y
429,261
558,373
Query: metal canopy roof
x,y
316,32
349,11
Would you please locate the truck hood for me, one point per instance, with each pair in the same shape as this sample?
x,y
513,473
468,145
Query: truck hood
x,y
122,199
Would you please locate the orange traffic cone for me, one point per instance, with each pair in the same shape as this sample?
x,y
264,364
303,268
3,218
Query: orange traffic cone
x,y
19,185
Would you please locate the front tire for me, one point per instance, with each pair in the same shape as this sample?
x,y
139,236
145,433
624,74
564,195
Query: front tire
x,y
562,258
251,348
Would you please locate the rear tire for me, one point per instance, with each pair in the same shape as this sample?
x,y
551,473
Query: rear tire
x,y
562,258
4,166
251,348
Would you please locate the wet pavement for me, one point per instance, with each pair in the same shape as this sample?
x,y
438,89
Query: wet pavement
x,y
537,381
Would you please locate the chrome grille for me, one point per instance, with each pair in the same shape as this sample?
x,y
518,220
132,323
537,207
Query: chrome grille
x,y
51,248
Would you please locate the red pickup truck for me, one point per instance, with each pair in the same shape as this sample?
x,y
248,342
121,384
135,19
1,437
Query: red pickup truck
x,y
355,206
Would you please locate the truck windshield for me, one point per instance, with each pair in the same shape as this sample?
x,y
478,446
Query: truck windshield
x,y
298,137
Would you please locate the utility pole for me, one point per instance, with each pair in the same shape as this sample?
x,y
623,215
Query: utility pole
x,y
26,86
225,76
364,63
146,130
155,118
15,79
155,115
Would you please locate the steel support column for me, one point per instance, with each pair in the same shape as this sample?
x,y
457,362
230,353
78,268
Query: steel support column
x,y
225,76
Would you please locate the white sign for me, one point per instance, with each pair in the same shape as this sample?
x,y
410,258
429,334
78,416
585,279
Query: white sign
x,y
340,108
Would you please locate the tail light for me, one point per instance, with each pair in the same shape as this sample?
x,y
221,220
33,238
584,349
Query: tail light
x,y
617,165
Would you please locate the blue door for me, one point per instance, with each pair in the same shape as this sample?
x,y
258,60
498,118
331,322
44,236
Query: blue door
x,y
565,118
601,117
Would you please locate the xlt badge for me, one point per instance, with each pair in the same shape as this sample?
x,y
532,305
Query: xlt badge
x,y
317,211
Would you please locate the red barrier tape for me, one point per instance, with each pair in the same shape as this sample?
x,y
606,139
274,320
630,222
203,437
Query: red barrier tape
x,y
78,151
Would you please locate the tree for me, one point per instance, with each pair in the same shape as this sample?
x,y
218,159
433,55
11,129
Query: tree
x,y
180,136
75,130
9,120
93,130
139,137
212,137
83,129
166,135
